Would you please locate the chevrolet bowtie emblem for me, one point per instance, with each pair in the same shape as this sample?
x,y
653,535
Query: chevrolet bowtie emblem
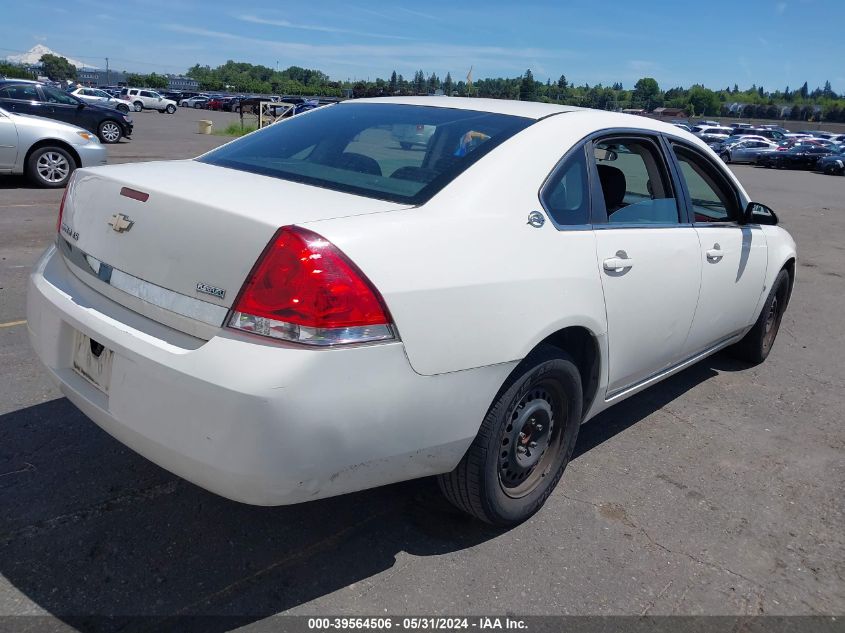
x,y
120,223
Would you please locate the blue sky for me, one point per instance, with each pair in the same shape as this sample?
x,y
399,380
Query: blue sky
x,y
773,43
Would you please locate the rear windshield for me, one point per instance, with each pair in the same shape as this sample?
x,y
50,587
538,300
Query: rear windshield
x,y
395,152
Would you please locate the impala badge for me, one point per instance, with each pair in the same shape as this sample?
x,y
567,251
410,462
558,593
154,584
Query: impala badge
x,y
211,290
120,223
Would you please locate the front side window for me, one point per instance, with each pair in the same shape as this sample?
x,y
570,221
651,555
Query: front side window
x,y
711,196
635,183
393,152
566,197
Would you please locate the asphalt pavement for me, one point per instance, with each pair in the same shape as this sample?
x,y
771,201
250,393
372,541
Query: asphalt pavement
x,y
718,491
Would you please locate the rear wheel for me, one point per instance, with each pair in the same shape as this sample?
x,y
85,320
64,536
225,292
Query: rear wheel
x,y
725,156
123,108
50,167
524,444
756,345
138,106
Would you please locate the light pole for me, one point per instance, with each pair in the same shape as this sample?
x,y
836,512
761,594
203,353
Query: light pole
x,y
108,76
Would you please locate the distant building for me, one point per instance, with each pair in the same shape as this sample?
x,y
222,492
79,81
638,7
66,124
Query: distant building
x,y
178,82
674,113
98,77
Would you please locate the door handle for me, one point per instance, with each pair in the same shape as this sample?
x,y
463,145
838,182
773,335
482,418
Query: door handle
x,y
715,254
618,263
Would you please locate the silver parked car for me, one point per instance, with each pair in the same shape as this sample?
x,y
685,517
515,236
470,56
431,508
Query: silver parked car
x,y
747,150
46,151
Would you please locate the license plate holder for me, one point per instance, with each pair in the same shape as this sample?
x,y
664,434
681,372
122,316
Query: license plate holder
x,y
92,361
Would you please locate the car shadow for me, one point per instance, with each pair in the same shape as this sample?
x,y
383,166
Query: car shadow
x,y
104,540
17,182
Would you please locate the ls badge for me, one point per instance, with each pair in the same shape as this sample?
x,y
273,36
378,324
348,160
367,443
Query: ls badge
x,y
211,290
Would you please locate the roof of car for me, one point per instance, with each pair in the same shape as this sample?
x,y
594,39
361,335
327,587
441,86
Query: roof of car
x,y
588,118
528,109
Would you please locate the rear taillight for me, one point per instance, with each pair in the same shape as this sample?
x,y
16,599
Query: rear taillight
x,y
61,210
304,289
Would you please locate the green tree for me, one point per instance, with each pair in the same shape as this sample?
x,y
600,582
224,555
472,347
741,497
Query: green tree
x,y
57,68
527,87
804,91
646,94
705,101
394,83
448,85
13,71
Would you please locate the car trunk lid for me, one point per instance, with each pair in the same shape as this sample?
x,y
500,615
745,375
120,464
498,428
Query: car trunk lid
x,y
184,233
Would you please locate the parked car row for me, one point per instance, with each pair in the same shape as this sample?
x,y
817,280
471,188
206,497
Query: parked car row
x,y
21,96
774,146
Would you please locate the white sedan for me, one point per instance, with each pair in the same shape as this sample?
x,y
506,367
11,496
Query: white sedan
x,y
376,313
101,97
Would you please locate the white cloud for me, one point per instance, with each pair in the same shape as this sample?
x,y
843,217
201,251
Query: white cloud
x,y
338,59
254,19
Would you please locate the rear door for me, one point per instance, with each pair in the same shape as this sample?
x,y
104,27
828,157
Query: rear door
x,y
648,258
23,99
732,257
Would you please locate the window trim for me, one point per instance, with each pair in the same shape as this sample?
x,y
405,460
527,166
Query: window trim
x,y
671,142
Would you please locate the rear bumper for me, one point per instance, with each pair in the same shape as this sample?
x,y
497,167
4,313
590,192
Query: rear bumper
x,y
253,421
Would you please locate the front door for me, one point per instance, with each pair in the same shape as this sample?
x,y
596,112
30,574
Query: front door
x,y
648,259
62,106
733,257
8,142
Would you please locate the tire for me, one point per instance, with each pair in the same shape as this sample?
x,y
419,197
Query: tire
x,y
405,145
123,108
138,106
499,480
755,346
170,109
50,167
725,156
197,106
234,109
109,131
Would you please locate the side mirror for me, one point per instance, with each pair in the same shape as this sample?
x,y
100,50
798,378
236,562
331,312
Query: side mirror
x,y
756,213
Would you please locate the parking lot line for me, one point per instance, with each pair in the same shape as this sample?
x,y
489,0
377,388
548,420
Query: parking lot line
x,y
12,323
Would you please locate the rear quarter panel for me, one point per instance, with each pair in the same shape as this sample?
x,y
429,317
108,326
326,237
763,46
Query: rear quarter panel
x,y
468,282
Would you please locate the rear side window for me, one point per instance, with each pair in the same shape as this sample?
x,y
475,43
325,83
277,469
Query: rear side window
x,y
395,152
22,92
566,196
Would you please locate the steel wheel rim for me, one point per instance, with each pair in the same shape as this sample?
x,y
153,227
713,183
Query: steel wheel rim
x,y
527,454
53,167
770,327
110,132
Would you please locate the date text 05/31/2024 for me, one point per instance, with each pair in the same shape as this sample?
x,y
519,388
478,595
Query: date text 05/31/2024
x,y
417,623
